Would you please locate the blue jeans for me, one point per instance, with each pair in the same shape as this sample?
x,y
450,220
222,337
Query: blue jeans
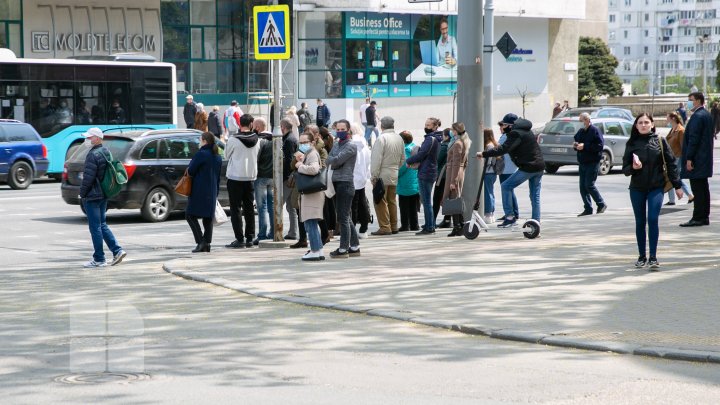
x,y
99,230
344,193
425,187
265,208
369,129
516,209
588,176
312,227
646,207
516,179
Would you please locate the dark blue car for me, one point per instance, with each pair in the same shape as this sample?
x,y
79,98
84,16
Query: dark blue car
x,y
23,156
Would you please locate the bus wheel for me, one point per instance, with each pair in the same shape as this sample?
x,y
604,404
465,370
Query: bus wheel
x,y
20,176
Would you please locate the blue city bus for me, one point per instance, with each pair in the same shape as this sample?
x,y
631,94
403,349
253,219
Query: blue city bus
x,y
62,98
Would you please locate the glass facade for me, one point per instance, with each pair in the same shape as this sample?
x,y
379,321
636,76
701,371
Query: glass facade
x,y
358,54
210,42
11,25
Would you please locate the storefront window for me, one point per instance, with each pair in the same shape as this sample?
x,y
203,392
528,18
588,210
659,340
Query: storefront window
x,y
10,10
230,43
319,55
176,42
202,12
229,12
204,77
175,12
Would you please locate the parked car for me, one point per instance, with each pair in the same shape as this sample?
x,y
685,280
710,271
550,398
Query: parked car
x,y
556,142
23,156
155,161
598,112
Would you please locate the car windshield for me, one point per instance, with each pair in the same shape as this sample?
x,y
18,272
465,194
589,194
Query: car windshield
x,y
562,127
119,148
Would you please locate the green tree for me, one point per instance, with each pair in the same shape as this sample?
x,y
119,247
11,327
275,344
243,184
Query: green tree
x,y
641,86
717,66
596,70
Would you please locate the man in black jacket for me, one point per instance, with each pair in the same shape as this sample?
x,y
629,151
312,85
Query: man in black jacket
x,y
264,183
189,111
589,144
522,147
95,202
290,146
697,158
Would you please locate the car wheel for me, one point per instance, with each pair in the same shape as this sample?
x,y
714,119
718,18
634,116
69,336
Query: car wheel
x,y
20,176
551,168
157,205
605,163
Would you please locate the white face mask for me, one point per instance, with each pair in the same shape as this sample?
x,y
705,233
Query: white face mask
x,y
88,143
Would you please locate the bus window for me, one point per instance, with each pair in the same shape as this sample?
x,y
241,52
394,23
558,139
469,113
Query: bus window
x,y
54,109
118,95
15,100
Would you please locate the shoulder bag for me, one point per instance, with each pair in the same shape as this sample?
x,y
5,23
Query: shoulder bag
x,y
184,186
307,184
668,183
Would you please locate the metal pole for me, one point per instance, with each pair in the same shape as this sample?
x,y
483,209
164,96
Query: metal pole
x,y
277,154
488,63
470,101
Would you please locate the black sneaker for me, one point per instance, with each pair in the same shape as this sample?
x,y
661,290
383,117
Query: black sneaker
x,y
337,254
601,208
653,263
508,222
354,253
425,232
236,244
669,203
249,244
641,262
586,212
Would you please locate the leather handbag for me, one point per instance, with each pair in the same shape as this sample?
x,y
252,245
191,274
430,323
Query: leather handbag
x,y
453,206
378,191
668,184
307,184
184,186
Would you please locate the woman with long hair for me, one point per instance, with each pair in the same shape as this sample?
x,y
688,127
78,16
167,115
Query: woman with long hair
x,y
311,204
457,160
675,140
643,161
204,169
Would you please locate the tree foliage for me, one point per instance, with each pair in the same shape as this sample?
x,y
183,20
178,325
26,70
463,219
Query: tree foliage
x,y
596,70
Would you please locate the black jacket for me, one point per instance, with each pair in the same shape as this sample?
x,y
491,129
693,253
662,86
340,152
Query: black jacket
x,y
650,176
290,146
593,144
214,124
522,147
698,145
189,113
93,173
265,156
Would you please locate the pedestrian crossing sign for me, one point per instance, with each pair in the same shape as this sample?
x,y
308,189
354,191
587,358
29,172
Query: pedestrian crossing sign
x,y
272,32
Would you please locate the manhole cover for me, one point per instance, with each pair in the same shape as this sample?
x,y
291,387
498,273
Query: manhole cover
x,y
101,378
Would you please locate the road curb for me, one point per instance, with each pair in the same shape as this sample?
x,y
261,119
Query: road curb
x,y
547,339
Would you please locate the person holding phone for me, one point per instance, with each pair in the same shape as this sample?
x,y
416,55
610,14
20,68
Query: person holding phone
x,y
643,162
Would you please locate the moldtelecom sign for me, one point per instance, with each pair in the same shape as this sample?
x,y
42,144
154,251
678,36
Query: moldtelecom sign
x,y
42,41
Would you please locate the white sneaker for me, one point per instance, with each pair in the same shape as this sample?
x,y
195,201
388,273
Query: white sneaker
x,y
118,257
363,235
489,219
93,263
313,256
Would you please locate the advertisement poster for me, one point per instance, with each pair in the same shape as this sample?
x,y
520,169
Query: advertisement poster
x,y
400,55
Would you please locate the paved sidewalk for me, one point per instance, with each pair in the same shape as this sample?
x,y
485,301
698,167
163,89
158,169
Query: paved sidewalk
x,y
574,286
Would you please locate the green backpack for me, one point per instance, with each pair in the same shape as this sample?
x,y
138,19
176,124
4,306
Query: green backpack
x,y
114,178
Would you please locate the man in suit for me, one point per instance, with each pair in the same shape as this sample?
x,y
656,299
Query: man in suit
x,y
697,158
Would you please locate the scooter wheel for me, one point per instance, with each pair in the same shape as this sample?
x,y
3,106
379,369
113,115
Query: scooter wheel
x,y
470,230
532,229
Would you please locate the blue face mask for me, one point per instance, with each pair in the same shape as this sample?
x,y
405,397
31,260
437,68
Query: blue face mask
x,y
305,147
690,105
333,133
341,135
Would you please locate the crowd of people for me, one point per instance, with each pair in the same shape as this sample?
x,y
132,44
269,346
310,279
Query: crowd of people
x,y
405,176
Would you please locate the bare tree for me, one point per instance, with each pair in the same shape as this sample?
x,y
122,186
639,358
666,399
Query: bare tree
x,y
525,98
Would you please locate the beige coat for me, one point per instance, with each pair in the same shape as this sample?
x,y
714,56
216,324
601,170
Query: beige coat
x,y
455,169
311,205
388,154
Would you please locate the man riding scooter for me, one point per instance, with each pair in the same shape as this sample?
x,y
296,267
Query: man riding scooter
x,y
525,152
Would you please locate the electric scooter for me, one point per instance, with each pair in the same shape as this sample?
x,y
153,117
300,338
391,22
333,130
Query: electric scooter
x,y
472,228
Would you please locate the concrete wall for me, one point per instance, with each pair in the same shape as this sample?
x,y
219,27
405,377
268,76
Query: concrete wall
x,y
563,42
65,28
595,24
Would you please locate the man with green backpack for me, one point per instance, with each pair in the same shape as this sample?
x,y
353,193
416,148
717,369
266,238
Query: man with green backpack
x,y
103,178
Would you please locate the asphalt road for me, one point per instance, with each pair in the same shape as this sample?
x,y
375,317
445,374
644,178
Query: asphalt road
x,y
135,334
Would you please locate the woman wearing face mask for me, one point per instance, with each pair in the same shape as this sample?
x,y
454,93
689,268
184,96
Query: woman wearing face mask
x,y
427,172
643,161
455,171
204,168
311,205
675,140
342,160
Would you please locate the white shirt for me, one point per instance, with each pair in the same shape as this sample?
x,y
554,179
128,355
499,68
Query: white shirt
x,y
449,47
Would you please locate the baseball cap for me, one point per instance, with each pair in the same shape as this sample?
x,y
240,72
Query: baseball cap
x,y
189,97
94,131
508,119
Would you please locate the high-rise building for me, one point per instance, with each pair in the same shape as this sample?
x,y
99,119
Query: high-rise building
x,y
657,39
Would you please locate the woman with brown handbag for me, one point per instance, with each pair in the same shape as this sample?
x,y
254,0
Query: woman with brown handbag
x,y
204,168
